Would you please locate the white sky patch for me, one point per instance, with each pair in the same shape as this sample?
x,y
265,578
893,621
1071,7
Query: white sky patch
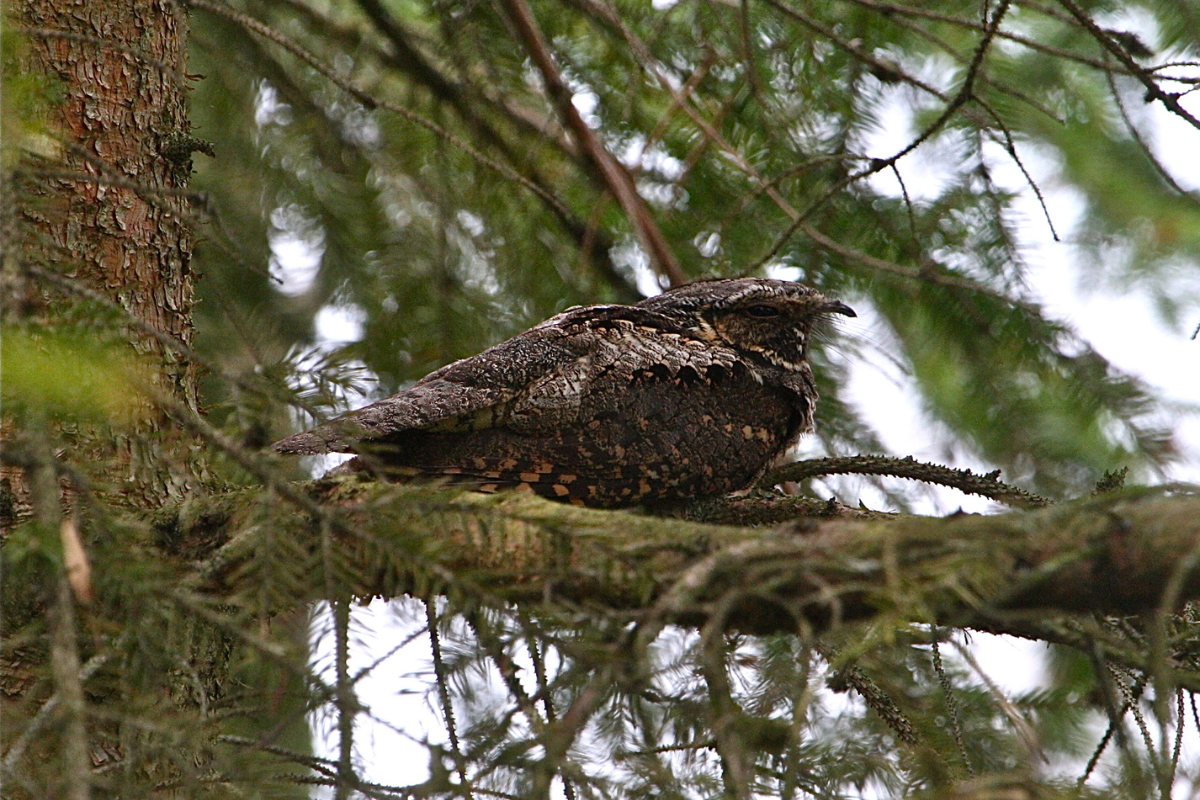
x,y
399,719
341,324
629,255
654,158
1014,665
297,247
360,127
475,264
708,243
783,272
269,109
471,222
585,103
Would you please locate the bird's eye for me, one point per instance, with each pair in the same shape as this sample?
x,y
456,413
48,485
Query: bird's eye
x,y
763,312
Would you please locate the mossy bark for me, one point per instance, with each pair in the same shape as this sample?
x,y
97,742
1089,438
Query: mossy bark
x,y
1127,553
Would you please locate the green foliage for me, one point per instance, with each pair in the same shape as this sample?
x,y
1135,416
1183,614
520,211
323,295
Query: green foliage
x,y
68,374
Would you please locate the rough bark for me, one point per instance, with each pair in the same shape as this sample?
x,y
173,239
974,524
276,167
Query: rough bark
x,y
97,193
122,128
102,198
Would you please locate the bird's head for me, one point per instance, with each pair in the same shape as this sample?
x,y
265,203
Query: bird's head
x,y
769,318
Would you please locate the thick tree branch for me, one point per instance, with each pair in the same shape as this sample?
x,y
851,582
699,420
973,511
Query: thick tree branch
x,y
1116,554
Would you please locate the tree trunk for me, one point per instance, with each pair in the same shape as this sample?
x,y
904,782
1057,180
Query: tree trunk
x,y
101,202
97,215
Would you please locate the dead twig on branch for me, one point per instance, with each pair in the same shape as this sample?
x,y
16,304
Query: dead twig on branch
x,y
964,480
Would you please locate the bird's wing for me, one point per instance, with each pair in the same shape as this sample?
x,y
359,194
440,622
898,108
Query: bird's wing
x,y
538,378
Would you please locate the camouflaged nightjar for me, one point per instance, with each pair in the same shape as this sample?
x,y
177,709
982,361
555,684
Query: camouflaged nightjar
x,y
691,393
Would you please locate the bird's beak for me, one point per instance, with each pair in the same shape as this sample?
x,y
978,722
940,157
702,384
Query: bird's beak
x,y
837,307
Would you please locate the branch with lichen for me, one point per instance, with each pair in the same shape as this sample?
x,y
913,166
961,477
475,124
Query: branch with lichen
x,y
1117,554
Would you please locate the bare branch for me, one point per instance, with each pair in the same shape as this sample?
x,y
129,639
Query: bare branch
x,y
1153,90
964,480
604,164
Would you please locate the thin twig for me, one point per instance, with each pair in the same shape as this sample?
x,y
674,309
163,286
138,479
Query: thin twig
x,y
854,50
875,697
964,94
326,767
119,183
64,661
1142,143
951,702
344,699
899,9
111,175
908,207
1010,147
725,721
957,56
443,687
1153,90
1179,726
539,673
1131,702
1025,731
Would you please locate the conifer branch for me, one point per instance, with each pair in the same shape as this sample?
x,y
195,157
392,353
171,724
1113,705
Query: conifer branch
x,y
1147,78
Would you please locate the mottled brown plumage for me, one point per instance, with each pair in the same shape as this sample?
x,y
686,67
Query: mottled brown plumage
x,y
691,393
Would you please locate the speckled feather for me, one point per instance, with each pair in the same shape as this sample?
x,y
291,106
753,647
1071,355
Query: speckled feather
x,y
686,394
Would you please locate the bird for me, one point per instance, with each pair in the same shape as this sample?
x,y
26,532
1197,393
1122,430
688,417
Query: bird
x,y
691,393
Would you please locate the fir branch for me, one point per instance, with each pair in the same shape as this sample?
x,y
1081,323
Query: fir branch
x,y
370,103
953,104
1142,144
951,702
849,676
442,680
899,10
